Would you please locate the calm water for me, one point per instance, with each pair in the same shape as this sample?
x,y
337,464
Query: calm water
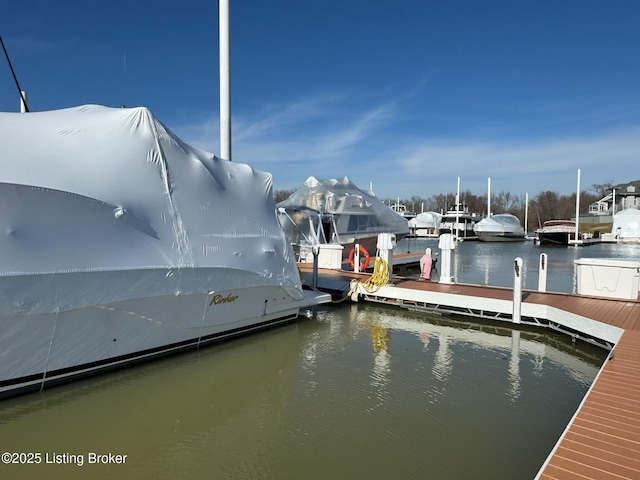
x,y
356,391
485,263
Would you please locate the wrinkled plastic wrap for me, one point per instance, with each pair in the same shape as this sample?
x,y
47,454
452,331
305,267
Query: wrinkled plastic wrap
x,y
93,189
355,213
626,223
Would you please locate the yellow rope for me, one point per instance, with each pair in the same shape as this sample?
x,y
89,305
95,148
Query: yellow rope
x,y
380,276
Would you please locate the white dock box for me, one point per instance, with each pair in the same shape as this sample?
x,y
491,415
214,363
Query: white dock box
x,y
330,256
608,277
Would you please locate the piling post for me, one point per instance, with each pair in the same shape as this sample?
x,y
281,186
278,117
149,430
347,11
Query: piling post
x,y
542,273
356,258
517,290
385,246
446,244
314,276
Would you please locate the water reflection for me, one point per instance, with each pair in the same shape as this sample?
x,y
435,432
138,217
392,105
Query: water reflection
x,y
359,391
486,263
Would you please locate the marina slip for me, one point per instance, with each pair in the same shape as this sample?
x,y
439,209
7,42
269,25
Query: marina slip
x,y
602,308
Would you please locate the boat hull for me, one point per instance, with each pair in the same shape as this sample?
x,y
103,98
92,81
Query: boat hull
x,y
42,350
555,238
499,237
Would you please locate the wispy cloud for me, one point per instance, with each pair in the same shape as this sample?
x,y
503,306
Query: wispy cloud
x,y
332,135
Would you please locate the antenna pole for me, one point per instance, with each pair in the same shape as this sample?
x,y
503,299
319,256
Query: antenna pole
x,y
22,96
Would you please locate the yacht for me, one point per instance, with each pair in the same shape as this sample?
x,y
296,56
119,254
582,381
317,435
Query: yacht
x,y
336,211
460,222
121,243
502,227
556,232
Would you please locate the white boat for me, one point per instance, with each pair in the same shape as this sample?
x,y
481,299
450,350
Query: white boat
x,y
459,221
626,226
501,227
557,232
425,224
401,209
120,243
337,212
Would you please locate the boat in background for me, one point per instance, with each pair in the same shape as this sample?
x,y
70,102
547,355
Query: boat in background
x,y
502,227
557,232
425,224
460,222
626,226
120,243
336,212
401,209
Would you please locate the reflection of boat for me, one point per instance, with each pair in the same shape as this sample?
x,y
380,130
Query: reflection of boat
x,y
337,212
556,232
460,222
502,227
121,242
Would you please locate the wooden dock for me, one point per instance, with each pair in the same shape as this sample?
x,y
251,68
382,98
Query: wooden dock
x,y
602,440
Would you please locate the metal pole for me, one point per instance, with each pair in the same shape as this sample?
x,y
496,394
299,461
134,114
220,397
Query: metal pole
x,y
314,277
526,213
225,82
23,98
578,208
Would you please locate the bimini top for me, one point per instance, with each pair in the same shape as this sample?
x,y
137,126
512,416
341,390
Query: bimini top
x,y
94,188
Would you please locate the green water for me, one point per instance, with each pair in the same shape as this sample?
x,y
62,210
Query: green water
x,y
358,391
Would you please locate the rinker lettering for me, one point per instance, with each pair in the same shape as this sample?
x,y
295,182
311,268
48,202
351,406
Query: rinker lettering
x,y
219,299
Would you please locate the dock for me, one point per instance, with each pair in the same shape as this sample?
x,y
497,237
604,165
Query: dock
x,y
602,439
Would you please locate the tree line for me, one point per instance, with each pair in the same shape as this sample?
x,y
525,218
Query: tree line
x,y
544,206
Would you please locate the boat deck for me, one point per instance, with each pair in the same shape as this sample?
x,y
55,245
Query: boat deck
x,y
602,440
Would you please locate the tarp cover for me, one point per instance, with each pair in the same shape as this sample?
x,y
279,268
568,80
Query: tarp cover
x,y
358,212
426,220
92,188
626,223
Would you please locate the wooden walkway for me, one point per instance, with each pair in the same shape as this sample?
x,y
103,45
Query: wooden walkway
x,y
602,440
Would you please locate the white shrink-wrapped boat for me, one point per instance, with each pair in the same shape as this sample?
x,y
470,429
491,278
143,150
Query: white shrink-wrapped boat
x,y
119,242
502,227
336,211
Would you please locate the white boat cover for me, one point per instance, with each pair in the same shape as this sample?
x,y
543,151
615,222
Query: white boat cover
x,y
98,189
626,223
426,220
501,223
361,212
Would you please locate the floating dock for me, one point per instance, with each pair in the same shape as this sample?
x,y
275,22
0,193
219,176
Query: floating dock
x,y
603,437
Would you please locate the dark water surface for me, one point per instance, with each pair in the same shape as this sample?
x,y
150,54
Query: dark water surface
x,y
357,391
491,263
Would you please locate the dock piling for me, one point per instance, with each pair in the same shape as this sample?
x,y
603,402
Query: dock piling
x,y
517,290
542,275
446,244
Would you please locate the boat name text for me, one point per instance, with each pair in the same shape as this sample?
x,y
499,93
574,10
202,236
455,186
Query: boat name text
x,y
219,299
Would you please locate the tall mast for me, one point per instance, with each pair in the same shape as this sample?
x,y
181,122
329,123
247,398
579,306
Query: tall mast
x,y
489,197
225,82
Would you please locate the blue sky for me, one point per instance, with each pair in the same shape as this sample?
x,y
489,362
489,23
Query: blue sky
x,y
407,94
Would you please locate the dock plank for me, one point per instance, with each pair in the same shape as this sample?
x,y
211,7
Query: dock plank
x,y
603,439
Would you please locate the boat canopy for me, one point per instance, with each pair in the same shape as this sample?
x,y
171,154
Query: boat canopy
x,y
93,189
